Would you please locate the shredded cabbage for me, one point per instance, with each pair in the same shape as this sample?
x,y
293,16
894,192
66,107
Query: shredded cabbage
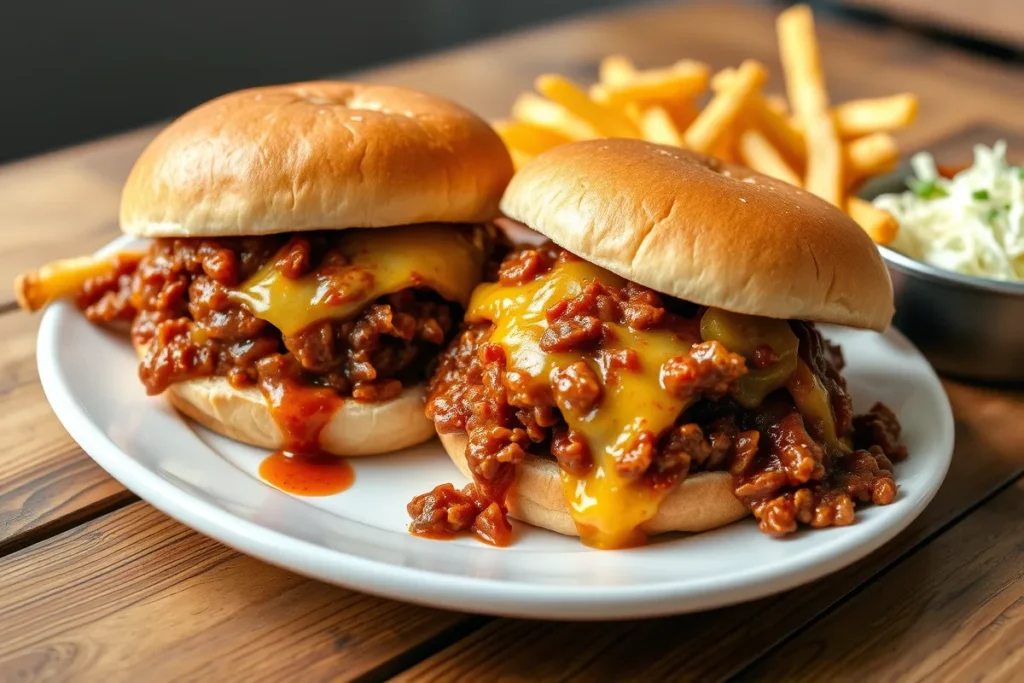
x,y
972,223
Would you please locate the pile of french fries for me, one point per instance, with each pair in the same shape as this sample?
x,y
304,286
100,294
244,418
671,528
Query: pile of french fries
x,y
802,138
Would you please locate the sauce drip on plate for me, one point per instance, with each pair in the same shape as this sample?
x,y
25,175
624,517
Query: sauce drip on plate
x,y
307,475
302,411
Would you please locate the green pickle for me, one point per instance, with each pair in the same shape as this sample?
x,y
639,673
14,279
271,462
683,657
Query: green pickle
x,y
744,334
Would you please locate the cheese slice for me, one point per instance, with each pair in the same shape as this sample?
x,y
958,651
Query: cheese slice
x,y
608,509
446,258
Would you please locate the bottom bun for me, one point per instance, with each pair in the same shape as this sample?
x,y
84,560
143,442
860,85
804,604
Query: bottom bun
x,y
354,429
703,501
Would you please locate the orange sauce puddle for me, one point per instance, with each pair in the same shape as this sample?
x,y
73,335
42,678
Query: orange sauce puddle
x,y
307,475
301,467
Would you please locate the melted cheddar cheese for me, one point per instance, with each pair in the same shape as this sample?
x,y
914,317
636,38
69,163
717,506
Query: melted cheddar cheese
x,y
608,509
445,258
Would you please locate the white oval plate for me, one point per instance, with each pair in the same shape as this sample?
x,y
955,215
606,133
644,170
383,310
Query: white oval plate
x,y
358,538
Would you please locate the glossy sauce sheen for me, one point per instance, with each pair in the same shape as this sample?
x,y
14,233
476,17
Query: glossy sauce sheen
x,y
307,475
301,412
609,510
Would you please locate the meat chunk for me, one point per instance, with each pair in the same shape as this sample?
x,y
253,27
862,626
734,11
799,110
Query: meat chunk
x,y
708,369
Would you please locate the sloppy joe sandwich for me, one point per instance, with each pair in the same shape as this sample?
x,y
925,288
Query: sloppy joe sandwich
x,y
656,365
312,249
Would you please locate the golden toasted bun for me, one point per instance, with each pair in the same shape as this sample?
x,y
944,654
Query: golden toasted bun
x,y
325,154
704,230
703,501
354,429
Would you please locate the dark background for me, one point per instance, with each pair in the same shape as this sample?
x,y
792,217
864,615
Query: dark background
x,y
74,70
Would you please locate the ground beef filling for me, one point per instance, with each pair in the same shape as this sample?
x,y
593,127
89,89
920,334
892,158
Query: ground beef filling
x,y
177,301
782,469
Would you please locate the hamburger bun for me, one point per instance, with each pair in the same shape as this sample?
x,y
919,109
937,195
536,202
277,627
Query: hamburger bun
x,y
701,502
705,231
307,156
354,429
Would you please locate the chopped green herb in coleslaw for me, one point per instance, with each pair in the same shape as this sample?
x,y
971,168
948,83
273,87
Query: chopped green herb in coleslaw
x,y
972,223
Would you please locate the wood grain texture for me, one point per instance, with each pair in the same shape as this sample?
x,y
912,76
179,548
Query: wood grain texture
x,y
714,645
66,203
953,611
46,482
136,596
999,21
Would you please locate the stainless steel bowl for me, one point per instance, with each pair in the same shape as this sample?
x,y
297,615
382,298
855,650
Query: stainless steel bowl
x,y
968,327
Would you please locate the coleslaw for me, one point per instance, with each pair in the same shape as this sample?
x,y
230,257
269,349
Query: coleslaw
x,y
972,223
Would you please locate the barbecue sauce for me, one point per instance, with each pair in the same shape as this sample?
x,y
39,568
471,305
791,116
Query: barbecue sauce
x,y
301,412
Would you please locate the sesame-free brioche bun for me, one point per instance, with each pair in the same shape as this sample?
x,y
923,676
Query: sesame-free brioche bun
x,y
325,154
703,500
354,429
705,231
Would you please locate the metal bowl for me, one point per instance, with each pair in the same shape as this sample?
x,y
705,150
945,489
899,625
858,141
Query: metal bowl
x,y
968,327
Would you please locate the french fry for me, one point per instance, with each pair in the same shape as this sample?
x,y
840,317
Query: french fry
x,y
799,138
635,113
520,157
66,277
783,135
683,79
863,117
805,84
871,155
777,104
726,147
529,137
599,94
757,152
722,79
657,126
632,110
775,124
609,121
683,112
616,70
723,109
532,108
526,140
878,223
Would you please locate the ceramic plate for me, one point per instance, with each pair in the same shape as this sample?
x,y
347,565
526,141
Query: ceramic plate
x,y
358,538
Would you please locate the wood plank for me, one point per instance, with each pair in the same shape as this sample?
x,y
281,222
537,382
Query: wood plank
x,y
717,644
46,482
998,21
953,611
137,596
66,203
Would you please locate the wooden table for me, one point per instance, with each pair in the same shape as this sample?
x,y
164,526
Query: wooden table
x,y
97,585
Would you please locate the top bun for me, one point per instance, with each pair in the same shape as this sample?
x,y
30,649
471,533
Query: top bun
x,y
306,156
704,230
